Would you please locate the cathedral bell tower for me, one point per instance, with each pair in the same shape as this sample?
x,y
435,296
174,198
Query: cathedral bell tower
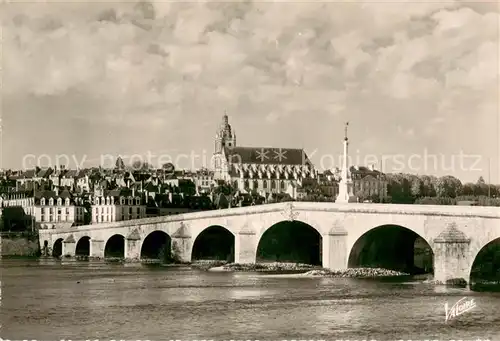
x,y
225,137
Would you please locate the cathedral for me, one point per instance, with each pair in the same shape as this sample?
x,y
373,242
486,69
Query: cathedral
x,y
263,170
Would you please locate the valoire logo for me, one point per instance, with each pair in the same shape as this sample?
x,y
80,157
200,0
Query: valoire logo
x,y
461,306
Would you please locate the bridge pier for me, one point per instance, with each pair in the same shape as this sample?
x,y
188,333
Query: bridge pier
x,y
132,248
69,248
245,248
335,249
181,248
451,256
97,249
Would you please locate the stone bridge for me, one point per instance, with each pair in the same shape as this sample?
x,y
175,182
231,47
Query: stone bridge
x,y
344,233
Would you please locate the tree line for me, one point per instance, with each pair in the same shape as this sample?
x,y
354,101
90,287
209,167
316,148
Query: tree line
x,y
445,190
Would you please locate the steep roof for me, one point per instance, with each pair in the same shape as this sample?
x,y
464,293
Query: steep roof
x,y
29,174
120,192
45,172
362,172
267,155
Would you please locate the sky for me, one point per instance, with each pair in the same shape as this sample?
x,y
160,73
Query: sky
x,y
418,82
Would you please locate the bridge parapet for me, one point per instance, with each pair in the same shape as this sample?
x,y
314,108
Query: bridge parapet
x,y
292,209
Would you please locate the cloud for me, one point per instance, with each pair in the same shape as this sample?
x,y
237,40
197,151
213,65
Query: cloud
x,y
147,64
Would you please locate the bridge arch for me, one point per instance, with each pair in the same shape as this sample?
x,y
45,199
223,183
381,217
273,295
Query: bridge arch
x,y
157,246
57,248
214,242
115,247
485,264
290,241
83,246
393,247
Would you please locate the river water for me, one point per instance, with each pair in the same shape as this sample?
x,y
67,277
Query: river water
x,y
54,300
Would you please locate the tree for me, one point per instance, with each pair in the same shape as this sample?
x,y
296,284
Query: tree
x,y
454,186
449,186
14,219
481,187
417,187
87,215
399,188
427,186
440,186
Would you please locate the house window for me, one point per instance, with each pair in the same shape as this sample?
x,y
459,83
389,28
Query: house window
x,y
282,184
67,210
264,184
58,218
51,210
67,202
43,218
43,211
138,210
59,202
130,210
51,218
67,217
137,202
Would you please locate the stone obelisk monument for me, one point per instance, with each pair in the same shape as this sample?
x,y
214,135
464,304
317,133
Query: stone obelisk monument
x,y
345,185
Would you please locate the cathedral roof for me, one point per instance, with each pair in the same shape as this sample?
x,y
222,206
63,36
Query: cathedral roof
x,y
267,155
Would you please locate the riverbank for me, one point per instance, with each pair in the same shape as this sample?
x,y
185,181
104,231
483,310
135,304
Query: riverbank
x,y
355,273
263,267
206,265
306,270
